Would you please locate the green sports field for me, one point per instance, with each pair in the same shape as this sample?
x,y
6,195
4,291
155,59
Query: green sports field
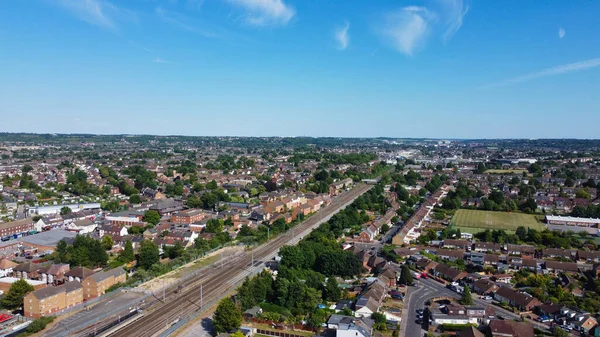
x,y
472,221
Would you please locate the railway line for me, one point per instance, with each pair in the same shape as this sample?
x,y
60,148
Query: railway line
x,y
217,282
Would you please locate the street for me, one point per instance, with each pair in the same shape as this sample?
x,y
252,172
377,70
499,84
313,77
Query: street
x,y
428,289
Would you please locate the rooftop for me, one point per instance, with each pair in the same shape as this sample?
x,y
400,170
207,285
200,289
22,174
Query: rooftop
x,y
49,238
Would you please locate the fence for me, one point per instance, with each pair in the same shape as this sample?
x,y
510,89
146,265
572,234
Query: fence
x,y
277,333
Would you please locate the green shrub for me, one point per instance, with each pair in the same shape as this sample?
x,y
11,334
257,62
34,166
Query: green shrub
x,y
455,327
275,308
37,325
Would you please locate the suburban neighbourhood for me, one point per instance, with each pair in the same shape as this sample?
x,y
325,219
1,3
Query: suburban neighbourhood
x,y
467,238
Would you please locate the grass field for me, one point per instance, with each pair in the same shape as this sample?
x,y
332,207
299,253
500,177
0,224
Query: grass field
x,y
472,221
516,171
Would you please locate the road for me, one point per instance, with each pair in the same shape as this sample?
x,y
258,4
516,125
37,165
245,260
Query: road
x,y
217,283
429,288
387,237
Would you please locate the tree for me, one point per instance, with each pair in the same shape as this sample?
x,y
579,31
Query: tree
x,y
151,216
107,242
238,334
148,254
466,298
14,297
385,228
558,332
378,317
332,291
175,251
214,226
135,199
127,254
582,194
227,316
569,182
521,233
66,210
405,276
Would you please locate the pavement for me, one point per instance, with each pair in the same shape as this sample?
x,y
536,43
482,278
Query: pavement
x,y
79,320
387,237
198,330
428,288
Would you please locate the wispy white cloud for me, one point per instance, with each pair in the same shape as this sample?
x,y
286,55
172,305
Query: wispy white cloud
x,y
195,4
558,70
137,45
342,37
265,12
159,60
561,33
408,29
96,12
453,13
179,21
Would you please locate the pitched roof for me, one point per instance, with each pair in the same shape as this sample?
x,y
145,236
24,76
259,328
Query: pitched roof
x,y
81,272
28,267
7,264
511,328
516,297
47,292
566,266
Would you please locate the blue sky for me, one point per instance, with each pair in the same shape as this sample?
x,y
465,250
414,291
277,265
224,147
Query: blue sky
x,y
438,68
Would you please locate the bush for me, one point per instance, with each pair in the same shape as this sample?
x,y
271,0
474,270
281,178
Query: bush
x,y
116,286
269,307
272,316
455,327
37,325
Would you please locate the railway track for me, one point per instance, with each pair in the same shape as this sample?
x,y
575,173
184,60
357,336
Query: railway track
x,y
216,283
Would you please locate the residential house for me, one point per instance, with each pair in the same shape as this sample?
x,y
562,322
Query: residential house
x,y
27,270
549,253
6,267
522,301
95,285
78,274
522,250
365,307
561,267
585,322
426,264
450,254
487,247
54,273
502,278
485,286
112,230
588,256
449,273
457,244
50,300
337,187
346,326
509,328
